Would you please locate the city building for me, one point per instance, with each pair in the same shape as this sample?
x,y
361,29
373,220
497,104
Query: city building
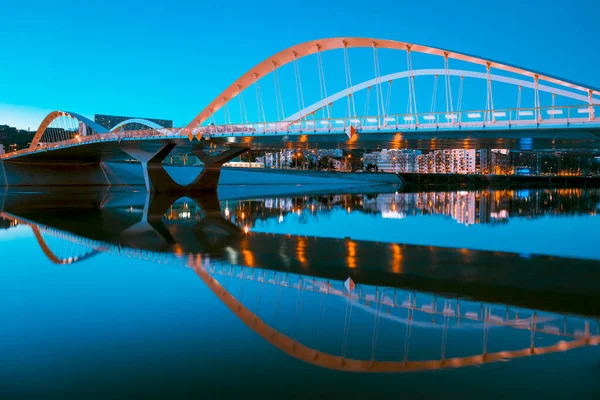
x,y
110,121
1,149
392,160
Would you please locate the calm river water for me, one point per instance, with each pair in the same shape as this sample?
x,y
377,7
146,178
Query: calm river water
x,y
298,291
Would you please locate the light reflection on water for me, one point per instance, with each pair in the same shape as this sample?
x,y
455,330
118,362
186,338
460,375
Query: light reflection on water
x,y
117,289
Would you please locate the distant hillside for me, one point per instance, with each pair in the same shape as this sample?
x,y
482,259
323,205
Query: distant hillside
x,y
10,135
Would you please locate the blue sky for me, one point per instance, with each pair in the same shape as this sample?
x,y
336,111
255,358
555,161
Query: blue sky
x,y
170,59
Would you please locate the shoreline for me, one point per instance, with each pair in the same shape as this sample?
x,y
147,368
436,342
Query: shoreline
x,y
498,181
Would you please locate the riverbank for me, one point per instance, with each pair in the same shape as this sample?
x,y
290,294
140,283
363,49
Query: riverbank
x,y
497,181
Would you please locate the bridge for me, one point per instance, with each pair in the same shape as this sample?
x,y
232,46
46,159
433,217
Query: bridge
x,y
370,328
482,104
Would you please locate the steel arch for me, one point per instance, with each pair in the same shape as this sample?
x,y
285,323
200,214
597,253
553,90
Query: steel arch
x,y
304,49
57,114
432,72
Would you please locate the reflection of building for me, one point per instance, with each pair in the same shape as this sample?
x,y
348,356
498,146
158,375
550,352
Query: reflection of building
x,y
1,149
110,121
393,160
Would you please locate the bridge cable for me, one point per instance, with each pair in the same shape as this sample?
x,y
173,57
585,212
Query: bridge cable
x,y
378,89
366,113
411,84
388,97
322,83
243,112
299,91
226,114
538,115
349,86
434,95
519,101
259,101
490,97
278,95
460,93
448,85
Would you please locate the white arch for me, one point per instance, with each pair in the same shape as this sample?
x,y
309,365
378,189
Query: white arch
x,y
141,121
57,114
432,72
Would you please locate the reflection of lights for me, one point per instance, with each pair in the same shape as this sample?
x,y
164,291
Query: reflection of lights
x,y
243,215
348,210
502,214
280,218
300,250
246,229
351,259
185,215
227,212
393,215
397,258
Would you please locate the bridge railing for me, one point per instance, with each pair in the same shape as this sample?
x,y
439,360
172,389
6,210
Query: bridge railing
x,y
512,118
557,116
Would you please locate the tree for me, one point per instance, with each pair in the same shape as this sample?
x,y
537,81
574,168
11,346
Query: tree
x,y
324,163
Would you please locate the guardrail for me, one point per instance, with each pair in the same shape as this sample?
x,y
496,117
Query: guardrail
x,y
522,118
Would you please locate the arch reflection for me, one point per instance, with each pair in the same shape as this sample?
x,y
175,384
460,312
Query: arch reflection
x,y
417,308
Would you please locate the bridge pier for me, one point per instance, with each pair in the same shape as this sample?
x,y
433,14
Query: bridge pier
x,y
159,181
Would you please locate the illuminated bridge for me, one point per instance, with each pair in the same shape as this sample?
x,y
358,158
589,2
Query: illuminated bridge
x,y
313,316
319,94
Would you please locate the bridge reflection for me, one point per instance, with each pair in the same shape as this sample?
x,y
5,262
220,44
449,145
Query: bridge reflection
x,y
414,307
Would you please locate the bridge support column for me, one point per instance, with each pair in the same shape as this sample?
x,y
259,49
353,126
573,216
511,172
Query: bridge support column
x,y
155,176
209,177
159,181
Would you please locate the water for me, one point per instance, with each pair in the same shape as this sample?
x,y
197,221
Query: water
x,y
457,293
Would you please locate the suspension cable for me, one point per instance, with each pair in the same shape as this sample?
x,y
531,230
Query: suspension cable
x,y
243,113
519,102
278,95
460,93
434,95
366,113
226,114
299,92
448,85
389,96
322,83
378,89
411,83
490,97
259,102
538,114
348,73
